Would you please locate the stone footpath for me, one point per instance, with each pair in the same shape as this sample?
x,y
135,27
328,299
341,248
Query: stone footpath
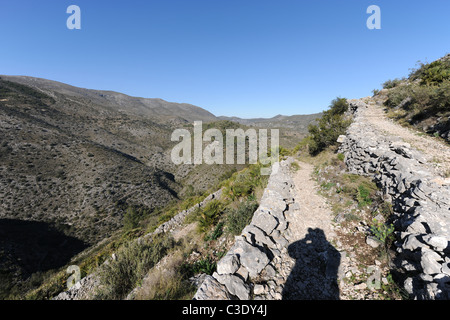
x,y
256,265
421,203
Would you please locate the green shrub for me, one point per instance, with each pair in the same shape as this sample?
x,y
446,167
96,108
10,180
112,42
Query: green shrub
x,y
243,185
392,83
245,182
397,95
330,127
209,214
441,97
216,233
131,219
432,73
284,152
207,265
133,260
384,233
425,100
363,196
239,218
427,91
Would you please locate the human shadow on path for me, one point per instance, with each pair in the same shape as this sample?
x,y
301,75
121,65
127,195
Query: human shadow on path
x,y
315,274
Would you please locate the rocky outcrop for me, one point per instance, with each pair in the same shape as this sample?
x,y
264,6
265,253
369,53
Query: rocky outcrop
x,y
421,204
243,273
82,290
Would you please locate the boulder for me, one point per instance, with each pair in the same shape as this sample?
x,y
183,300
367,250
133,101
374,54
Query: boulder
x,y
437,242
251,257
229,264
258,236
430,262
273,201
211,289
341,139
412,243
259,289
373,242
234,285
264,220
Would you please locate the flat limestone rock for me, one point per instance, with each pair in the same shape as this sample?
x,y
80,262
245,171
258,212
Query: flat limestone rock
x,y
229,264
265,221
235,285
211,289
251,257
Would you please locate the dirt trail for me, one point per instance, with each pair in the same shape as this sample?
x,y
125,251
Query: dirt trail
x,y
315,212
315,273
436,152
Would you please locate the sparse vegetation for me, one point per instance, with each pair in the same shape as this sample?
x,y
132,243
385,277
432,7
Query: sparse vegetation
x,y
209,215
206,265
382,231
432,73
332,124
133,260
295,166
423,100
240,217
363,196
389,84
355,200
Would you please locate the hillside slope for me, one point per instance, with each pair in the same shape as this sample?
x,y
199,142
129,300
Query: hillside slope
x,y
74,160
421,100
115,102
68,163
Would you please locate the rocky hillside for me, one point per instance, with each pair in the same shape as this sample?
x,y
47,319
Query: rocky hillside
x,y
110,102
70,161
421,100
78,157
74,160
71,164
301,245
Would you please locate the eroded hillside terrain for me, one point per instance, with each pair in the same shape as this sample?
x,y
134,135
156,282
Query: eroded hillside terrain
x,y
73,161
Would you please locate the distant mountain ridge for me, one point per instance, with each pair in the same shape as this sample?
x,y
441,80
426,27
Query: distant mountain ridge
x,y
146,107
136,106
297,122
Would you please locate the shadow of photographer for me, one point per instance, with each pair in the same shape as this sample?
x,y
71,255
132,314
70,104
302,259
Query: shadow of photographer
x,y
315,274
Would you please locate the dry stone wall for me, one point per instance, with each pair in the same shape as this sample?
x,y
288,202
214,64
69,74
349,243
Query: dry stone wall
x,y
421,204
251,262
177,220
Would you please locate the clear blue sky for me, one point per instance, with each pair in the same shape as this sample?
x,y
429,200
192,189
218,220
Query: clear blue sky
x,y
248,58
